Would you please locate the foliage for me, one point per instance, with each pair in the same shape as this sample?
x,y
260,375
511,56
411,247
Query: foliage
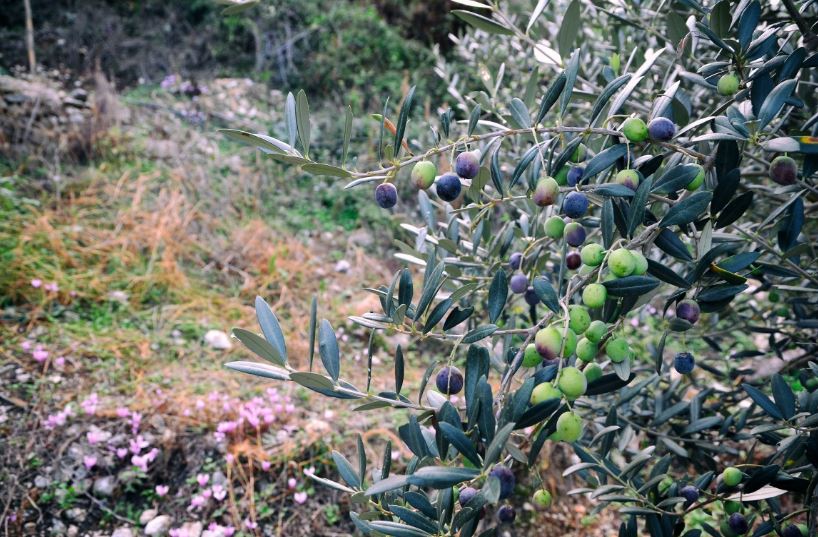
x,y
705,226
330,48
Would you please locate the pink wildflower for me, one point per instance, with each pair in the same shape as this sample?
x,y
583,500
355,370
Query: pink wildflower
x,y
202,479
89,461
140,462
197,501
40,355
136,419
95,436
162,490
36,283
138,444
300,497
90,404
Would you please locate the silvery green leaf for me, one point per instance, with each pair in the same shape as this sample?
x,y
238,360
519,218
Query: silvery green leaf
x,y
259,370
328,349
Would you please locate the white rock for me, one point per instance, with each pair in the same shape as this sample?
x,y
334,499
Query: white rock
x,y
147,515
122,532
104,486
218,340
118,296
158,526
342,266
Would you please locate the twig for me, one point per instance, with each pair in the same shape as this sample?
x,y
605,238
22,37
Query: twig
x,y
108,509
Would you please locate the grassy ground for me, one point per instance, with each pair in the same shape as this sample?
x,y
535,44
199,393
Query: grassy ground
x,y
119,282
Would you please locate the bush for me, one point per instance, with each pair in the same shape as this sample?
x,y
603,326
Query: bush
x,y
332,49
684,384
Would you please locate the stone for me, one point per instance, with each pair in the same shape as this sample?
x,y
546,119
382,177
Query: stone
x,y
104,486
147,515
343,266
218,340
76,514
57,527
158,526
122,532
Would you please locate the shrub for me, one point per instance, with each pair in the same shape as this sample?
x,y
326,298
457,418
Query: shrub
x,y
704,249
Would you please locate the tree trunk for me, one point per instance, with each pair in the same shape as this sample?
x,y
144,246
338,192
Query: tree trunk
x,y
32,60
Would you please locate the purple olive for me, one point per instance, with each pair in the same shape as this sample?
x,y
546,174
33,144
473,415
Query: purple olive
x,y
783,170
466,494
531,297
386,195
575,204
575,234
506,514
661,129
690,494
738,523
519,283
683,363
449,380
448,187
515,260
575,175
506,478
467,165
688,310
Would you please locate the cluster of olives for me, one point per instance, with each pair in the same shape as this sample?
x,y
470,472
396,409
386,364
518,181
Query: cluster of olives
x,y
581,337
735,523
448,186
687,310
506,514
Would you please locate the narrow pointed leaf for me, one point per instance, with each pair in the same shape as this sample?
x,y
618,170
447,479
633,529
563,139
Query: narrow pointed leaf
x,y
546,293
403,117
460,441
302,109
551,96
258,345
763,401
498,293
482,23
686,210
328,349
604,160
271,329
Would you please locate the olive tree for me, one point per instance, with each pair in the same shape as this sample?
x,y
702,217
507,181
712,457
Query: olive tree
x,y
616,218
